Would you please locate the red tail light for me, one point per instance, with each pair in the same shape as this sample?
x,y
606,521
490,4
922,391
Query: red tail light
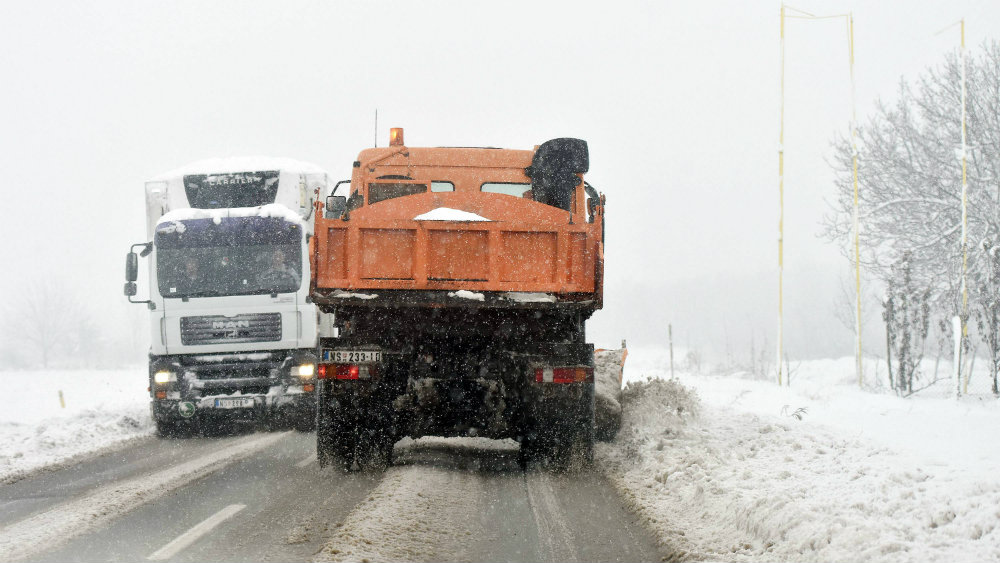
x,y
345,371
564,375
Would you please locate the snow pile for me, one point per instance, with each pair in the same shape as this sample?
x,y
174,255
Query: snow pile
x,y
466,294
530,297
349,295
449,214
103,409
811,473
607,392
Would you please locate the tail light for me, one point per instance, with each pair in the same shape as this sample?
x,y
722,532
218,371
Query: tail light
x,y
345,371
564,375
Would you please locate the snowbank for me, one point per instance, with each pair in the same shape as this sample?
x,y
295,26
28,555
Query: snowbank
x,y
102,409
730,468
607,392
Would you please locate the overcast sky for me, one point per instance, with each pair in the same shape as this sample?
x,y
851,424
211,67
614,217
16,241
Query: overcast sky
x,y
678,100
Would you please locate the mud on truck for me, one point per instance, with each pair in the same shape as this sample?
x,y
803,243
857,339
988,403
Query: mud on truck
x,y
233,330
460,280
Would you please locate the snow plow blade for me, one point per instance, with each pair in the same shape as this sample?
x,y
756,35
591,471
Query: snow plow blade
x,y
608,366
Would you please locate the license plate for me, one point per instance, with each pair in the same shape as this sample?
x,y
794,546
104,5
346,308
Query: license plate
x,y
351,356
233,403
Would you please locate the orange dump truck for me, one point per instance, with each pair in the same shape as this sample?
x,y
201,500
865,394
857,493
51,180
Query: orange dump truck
x,y
460,280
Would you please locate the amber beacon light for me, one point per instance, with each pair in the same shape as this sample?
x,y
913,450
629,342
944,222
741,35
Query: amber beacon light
x,y
396,137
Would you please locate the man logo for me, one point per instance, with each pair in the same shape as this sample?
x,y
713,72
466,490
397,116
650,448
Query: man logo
x,y
230,324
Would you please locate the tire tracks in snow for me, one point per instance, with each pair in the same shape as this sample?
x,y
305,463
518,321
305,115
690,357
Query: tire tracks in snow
x,y
555,538
70,519
428,513
415,514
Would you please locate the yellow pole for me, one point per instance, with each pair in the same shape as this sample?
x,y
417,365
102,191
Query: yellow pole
x,y
965,297
854,166
781,194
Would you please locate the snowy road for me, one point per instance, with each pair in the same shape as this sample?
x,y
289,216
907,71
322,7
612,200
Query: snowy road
x,y
262,497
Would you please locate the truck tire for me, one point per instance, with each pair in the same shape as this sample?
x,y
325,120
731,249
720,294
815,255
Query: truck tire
x,y
325,448
353,431
174,429
559,442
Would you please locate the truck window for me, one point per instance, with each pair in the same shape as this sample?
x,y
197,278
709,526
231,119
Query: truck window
x,y
441,186
508,188
382,192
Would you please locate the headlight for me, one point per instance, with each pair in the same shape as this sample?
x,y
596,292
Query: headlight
x,y
304,370
163,376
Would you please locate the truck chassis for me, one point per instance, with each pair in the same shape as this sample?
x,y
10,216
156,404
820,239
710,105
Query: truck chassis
x,y
455,371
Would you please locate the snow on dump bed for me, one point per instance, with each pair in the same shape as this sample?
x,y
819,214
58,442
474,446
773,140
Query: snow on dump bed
x,y
449,214
103,408
733,469
241,164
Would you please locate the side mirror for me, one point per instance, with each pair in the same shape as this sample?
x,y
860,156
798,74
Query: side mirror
x,y
130,289
131,271
335,206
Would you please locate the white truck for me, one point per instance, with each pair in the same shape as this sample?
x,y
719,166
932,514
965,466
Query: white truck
x,y
234,330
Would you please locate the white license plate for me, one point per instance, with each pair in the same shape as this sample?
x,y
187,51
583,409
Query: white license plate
x,y
233,403
352,356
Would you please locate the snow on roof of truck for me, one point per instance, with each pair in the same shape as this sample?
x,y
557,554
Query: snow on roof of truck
x,y
270,210
241,164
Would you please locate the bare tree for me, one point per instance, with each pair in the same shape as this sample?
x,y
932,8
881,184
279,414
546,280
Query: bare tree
x,y
45,318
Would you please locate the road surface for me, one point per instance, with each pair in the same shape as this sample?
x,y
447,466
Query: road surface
x,y
262,497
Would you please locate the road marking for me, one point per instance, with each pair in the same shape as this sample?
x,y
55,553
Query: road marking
x,y
196,531
49,529
306,461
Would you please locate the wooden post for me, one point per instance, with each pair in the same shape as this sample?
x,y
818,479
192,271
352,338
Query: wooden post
x,y
670,337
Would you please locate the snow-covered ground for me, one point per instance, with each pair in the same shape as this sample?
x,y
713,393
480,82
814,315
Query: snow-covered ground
x,y
102,408
731,468
721,466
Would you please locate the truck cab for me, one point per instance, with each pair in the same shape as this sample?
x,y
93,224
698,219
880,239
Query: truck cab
x,y
233,328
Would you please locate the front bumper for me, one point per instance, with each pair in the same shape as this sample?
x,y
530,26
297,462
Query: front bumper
x,y
256,386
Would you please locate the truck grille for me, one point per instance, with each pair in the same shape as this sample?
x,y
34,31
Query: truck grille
x,y
216,329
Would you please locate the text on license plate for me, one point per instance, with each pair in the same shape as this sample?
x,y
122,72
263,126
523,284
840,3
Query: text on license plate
x,y
233,403
352,356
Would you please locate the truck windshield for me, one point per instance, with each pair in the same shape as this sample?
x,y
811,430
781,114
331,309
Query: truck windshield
x,y
237,256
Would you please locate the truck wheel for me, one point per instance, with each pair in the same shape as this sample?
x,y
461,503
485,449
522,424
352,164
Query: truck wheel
x,y
305,422
325,448
560,436
174,429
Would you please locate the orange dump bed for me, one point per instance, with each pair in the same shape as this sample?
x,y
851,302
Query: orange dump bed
x,y
503,242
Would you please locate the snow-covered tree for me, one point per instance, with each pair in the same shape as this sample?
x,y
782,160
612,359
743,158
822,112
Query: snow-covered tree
x,y
987,307
910,177
906,312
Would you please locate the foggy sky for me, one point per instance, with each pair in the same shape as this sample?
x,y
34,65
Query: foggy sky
x,y
678,100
